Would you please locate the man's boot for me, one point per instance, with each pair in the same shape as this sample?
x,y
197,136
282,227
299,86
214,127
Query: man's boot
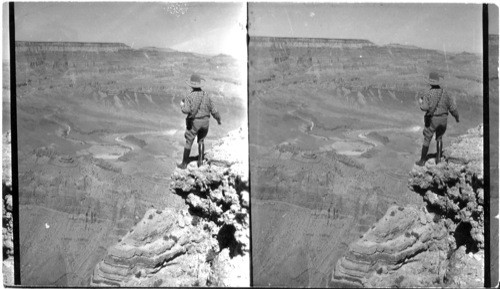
x,y
201,153
185,159
439,151
423,156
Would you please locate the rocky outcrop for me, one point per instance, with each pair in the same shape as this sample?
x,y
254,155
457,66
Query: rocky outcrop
x,y
218,192
440,244
7,221
206,244
219,195
454,189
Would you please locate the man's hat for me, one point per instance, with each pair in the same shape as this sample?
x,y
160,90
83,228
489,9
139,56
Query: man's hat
x,y
195,81
434,78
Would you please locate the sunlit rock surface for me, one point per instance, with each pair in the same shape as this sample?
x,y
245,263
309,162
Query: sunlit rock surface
x,y
204,245
441,244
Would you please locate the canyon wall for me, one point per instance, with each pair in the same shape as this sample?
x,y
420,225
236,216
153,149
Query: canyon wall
x,y
359,65
114,74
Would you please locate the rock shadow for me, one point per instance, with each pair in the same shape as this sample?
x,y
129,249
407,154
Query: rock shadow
x,y
463,238
226,240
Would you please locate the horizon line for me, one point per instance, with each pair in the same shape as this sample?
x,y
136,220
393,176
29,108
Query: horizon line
x,y
124,44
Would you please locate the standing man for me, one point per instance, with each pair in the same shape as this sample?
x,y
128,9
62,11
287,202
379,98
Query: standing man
x,y
198,106
436,103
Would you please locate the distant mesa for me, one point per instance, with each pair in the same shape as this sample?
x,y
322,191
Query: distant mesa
x,y
33,47
38,46
262,41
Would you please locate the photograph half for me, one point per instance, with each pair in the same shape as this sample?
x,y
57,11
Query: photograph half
x,y
132,144
366,137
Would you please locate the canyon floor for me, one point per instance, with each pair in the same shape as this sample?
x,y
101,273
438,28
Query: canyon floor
x,y
97,145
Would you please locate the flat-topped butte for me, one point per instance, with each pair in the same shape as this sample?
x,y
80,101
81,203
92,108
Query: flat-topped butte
x,y
262,41
38,46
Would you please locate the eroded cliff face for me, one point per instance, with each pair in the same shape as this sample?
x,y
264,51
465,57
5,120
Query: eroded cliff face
x,y
441,244
207,243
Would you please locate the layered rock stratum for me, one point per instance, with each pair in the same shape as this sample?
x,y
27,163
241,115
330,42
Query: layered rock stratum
x,y
7,221
439,244
205,244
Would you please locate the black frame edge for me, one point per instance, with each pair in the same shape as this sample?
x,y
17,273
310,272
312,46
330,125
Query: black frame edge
x,y
14,154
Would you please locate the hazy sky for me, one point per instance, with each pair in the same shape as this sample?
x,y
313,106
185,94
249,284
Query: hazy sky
x,y
209,28
453,27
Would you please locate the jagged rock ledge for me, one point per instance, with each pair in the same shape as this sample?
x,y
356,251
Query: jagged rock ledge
x,y
454,188
218,193
440,244
206,245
